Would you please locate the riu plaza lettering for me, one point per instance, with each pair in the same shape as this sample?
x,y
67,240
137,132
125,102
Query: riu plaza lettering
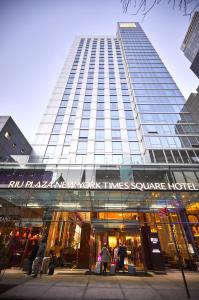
x,y
140,186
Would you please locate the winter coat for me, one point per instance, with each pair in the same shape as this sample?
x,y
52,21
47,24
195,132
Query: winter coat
x,y
42,249
122,251
105,255
33,252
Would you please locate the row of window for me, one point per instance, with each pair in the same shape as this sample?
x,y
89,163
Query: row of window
x,y
161,108
171,129
166,118
171,142
157,93
174,156
100,135
160,100
99,159
99,148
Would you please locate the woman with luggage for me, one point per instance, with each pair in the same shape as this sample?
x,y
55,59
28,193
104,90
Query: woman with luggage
x,y
105,258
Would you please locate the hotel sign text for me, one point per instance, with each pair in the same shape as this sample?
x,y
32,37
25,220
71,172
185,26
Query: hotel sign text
x,y
139,186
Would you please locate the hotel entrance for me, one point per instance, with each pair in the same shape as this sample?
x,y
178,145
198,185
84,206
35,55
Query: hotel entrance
x,y
76,223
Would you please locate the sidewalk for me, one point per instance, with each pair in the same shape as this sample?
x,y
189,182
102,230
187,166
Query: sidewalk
x,y
156,287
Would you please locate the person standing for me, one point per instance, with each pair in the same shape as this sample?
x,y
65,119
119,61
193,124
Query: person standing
x,y
37,264
105,258
32,255
122,253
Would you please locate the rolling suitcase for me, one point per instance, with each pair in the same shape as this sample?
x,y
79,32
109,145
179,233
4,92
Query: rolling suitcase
x,y
35,266
98,268
131,270
51,269
112,269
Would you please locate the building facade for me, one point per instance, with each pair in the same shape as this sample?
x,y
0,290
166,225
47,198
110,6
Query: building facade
x,y
13,144
115,159
190,45
193,105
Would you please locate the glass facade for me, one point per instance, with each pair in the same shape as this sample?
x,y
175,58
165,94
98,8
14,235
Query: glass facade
x,y
115,102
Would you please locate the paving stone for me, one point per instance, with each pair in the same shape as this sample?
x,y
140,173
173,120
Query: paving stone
x,y
141,294
64,293
101,293
25,292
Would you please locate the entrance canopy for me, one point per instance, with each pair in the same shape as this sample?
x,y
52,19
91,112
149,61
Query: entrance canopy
x,y
78,200
98,188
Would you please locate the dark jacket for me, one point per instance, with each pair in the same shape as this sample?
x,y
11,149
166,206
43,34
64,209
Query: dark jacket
x,y
33,252
122,251
42,249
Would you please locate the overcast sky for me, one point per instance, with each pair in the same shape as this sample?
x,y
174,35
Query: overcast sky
x,y
36,35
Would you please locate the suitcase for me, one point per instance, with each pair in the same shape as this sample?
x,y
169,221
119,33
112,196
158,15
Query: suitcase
x,y
35,266
112,269
45,265
131,269
51,269
98,268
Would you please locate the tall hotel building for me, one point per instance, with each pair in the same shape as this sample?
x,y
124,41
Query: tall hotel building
x,y
115,159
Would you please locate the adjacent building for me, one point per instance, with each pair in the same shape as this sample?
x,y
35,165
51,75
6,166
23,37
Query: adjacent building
x,y
115,159
190,45
193,105
13,144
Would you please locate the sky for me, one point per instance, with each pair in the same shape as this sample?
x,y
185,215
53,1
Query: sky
x,y
36,36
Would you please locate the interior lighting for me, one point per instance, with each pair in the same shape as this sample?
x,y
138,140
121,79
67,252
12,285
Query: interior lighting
x,y
114,205
33,204
68,205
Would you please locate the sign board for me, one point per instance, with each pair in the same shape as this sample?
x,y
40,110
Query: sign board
x,y
137,186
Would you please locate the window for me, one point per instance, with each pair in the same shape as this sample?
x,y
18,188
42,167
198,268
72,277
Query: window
x,y
85,114
130,124
73,111
127,105
113,105
80,158
155,142
136,159
70,128
64,104
85,123
61,111
83,134
114,114
99,135
117,158
87,106
99,146
115,123
116,147
100,123
116,135
53,139
132,135
159,156
65,150
100,105
82,146
134,146
72,119
59,119
7,135
68,139
100,114
129,114
50,150
177,156
99,159
56,128
169,156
